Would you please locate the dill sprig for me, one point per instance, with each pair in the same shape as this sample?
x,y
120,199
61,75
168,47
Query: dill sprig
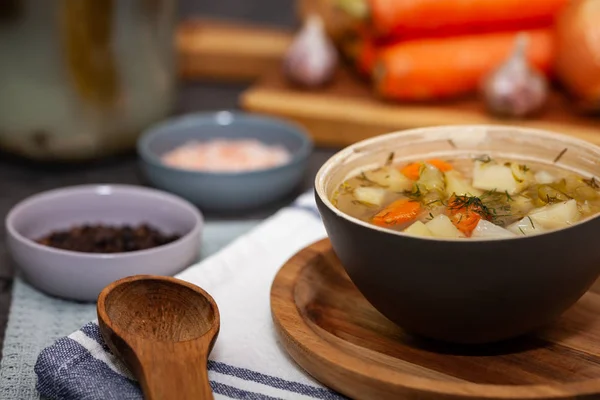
x,y
390,159
470,204
484,159
363,203
363,177
432,202
369,182
415,194
559,156
481,205
552,199
593,183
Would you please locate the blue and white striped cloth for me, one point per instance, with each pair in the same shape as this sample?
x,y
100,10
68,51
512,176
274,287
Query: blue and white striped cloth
x,y
247,361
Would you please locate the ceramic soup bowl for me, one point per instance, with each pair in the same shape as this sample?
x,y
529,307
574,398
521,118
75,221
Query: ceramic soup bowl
x,y
457,290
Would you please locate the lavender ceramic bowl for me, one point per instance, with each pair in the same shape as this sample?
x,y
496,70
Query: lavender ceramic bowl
x,y
81,276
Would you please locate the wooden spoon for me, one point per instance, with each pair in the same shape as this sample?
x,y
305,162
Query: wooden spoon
x,y
163,329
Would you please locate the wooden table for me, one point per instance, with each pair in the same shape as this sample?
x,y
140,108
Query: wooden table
x,y
20,179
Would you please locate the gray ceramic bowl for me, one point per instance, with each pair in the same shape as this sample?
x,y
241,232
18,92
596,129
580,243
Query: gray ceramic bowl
x,y
81,276
225,191
464,291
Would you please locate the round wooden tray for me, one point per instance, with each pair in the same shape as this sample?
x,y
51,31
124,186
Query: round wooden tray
x,y
332,332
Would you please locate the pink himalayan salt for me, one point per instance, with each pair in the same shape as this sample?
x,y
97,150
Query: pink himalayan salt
x,y
221,155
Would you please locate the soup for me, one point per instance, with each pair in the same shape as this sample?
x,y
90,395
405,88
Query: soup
x,y
481,197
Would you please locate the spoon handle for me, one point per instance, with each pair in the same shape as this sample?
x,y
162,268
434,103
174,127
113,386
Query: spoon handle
x,y
178,374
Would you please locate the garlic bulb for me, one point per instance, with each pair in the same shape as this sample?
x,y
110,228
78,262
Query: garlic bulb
x,y
515,89
312,58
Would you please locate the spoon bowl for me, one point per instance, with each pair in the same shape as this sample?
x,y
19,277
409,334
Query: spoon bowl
x,y
163,329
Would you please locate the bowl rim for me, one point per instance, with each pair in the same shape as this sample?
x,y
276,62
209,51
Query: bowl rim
x,y
232,117
38,200
338,158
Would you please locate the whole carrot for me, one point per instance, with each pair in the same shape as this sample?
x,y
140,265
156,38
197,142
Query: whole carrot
x,y
430,69
421,18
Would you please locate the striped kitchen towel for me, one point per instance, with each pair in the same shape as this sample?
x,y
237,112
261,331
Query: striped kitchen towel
x,y
247,361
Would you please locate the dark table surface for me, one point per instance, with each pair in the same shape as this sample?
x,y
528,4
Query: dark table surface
x,y
19,179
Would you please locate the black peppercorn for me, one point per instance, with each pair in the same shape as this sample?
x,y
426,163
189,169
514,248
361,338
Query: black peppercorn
x,y
107,239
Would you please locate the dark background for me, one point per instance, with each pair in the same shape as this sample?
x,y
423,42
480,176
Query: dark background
x,y
19,179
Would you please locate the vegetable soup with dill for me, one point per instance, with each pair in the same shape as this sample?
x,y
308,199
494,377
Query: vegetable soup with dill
x,y
480,197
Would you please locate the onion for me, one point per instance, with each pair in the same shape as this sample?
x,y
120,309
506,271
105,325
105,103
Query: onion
x,y
577,63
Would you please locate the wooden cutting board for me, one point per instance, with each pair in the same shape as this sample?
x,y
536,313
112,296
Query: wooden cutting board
x,y
342,113
239,51
332,332
228,50
347,112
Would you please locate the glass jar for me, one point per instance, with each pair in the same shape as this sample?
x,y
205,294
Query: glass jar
x,y
80,79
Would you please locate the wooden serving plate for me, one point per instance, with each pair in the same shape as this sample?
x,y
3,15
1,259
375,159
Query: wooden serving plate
x,y
332,332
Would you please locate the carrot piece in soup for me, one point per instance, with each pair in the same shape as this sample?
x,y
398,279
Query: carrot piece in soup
x,y
465,221
413,170
400,211
464,215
